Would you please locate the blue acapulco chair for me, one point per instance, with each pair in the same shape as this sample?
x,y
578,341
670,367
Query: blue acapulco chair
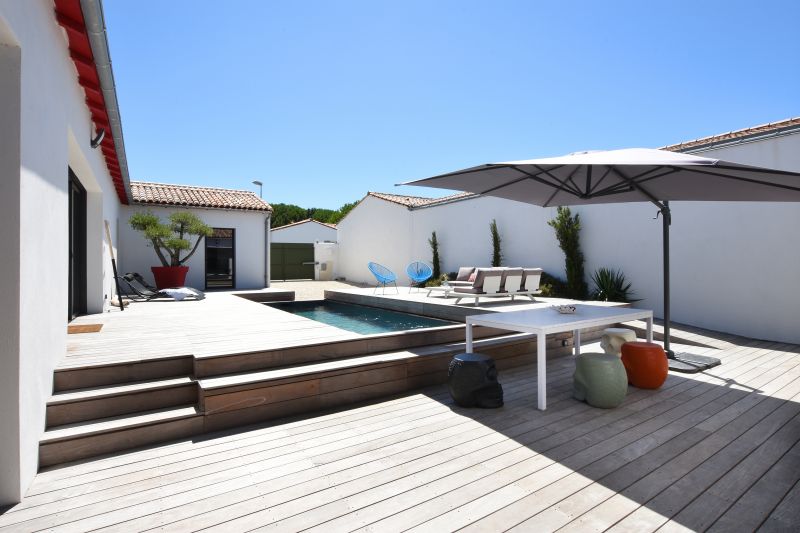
x,y
418,272
383,275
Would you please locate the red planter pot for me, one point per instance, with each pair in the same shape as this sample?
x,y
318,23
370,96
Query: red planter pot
x,y
167,277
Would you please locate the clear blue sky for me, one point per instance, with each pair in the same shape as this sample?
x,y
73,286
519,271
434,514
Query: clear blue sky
x,y
323,101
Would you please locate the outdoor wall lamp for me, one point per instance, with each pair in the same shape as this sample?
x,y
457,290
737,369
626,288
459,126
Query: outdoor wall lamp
x,y
99,138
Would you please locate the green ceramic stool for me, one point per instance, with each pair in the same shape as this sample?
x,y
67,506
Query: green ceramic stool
x,y
600,380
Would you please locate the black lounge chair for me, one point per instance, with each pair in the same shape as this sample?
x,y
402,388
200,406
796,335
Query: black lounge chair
x,y
140,290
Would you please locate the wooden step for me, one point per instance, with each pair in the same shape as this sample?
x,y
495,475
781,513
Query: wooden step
x,y
72,442
117,373
104,402
209,365
228,401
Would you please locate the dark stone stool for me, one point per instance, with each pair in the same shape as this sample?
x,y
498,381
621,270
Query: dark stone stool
x,y
472,380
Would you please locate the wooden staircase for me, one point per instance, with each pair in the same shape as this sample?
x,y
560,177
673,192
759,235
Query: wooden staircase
x,y
100,409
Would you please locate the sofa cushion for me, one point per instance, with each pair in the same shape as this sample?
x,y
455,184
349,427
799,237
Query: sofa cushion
x,y
464,273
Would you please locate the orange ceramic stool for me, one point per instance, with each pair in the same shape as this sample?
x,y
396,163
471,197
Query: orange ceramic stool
x,y
646,364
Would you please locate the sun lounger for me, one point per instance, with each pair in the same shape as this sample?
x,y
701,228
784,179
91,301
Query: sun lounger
x,y
512,282
140,290
487,283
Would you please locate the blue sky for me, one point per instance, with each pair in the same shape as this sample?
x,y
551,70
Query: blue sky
x,y
323,101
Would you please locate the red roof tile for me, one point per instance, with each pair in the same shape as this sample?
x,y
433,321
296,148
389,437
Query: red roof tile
x,y
304,221
734,135
191,196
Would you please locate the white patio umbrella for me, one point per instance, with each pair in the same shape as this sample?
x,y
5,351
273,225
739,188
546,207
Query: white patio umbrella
x,y
630,175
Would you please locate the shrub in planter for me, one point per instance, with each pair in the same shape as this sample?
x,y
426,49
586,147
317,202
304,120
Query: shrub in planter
x,y
611,286
568,228
170,240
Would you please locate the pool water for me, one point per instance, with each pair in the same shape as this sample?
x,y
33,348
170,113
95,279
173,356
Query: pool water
x,y
358,318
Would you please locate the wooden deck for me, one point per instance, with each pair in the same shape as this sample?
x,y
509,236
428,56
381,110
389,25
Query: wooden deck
x,y
715,451
222,323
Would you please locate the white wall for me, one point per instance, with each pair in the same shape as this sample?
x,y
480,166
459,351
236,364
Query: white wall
x,y
462,229
137,255
46,128
307,232
735,265
375,230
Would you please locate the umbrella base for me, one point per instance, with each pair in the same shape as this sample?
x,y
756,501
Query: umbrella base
x,y
689,363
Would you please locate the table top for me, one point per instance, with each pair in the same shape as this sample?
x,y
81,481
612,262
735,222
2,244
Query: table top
x,y
548,320
445,288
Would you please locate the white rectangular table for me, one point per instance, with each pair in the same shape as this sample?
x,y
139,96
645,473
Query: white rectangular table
x,y
546,320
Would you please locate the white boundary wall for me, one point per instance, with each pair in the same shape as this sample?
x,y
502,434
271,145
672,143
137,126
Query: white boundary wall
x,y
735,265
137,255
306,232
45,126
377,231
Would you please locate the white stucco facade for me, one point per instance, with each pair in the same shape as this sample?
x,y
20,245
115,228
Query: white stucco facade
x,y
377,231
734,264
45,127
307,231
250,260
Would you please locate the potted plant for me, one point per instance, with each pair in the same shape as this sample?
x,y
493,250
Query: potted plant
x,y
169,240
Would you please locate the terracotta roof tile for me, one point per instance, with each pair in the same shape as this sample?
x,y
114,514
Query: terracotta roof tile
x,y
332,226
190,196
419,201
402,199
734,135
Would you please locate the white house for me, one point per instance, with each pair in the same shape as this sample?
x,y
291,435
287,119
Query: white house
x,y
304,231
235,257
63,173
734,264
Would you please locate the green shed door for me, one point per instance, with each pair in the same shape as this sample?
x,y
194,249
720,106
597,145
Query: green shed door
x,y
291,260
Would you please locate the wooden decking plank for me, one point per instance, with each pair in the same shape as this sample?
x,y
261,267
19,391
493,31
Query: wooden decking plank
x,y
350,478
786,516
754,506
266,467
461,505
551,506
703,511
123,510
600,484
675,485
300,520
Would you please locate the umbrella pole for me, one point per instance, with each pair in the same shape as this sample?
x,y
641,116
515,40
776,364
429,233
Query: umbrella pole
x,y
666,220
682,362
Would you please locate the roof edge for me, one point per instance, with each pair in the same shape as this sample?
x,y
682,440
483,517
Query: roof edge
x,y
95,24
787,126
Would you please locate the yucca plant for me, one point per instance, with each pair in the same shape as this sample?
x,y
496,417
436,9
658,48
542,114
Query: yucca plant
x,y
611,286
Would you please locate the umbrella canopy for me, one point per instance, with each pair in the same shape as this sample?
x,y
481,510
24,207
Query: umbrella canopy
x,y
630,175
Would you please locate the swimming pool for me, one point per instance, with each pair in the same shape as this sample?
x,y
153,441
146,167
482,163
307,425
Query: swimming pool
x,y
361,319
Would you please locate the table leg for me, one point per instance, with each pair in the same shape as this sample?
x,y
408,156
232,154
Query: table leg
x,y
541,371
469,337
577,338
649,322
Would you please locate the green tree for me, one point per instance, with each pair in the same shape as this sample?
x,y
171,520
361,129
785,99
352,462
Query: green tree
x,y
436,266
172,238
283,214
497,255
342,212
568,229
